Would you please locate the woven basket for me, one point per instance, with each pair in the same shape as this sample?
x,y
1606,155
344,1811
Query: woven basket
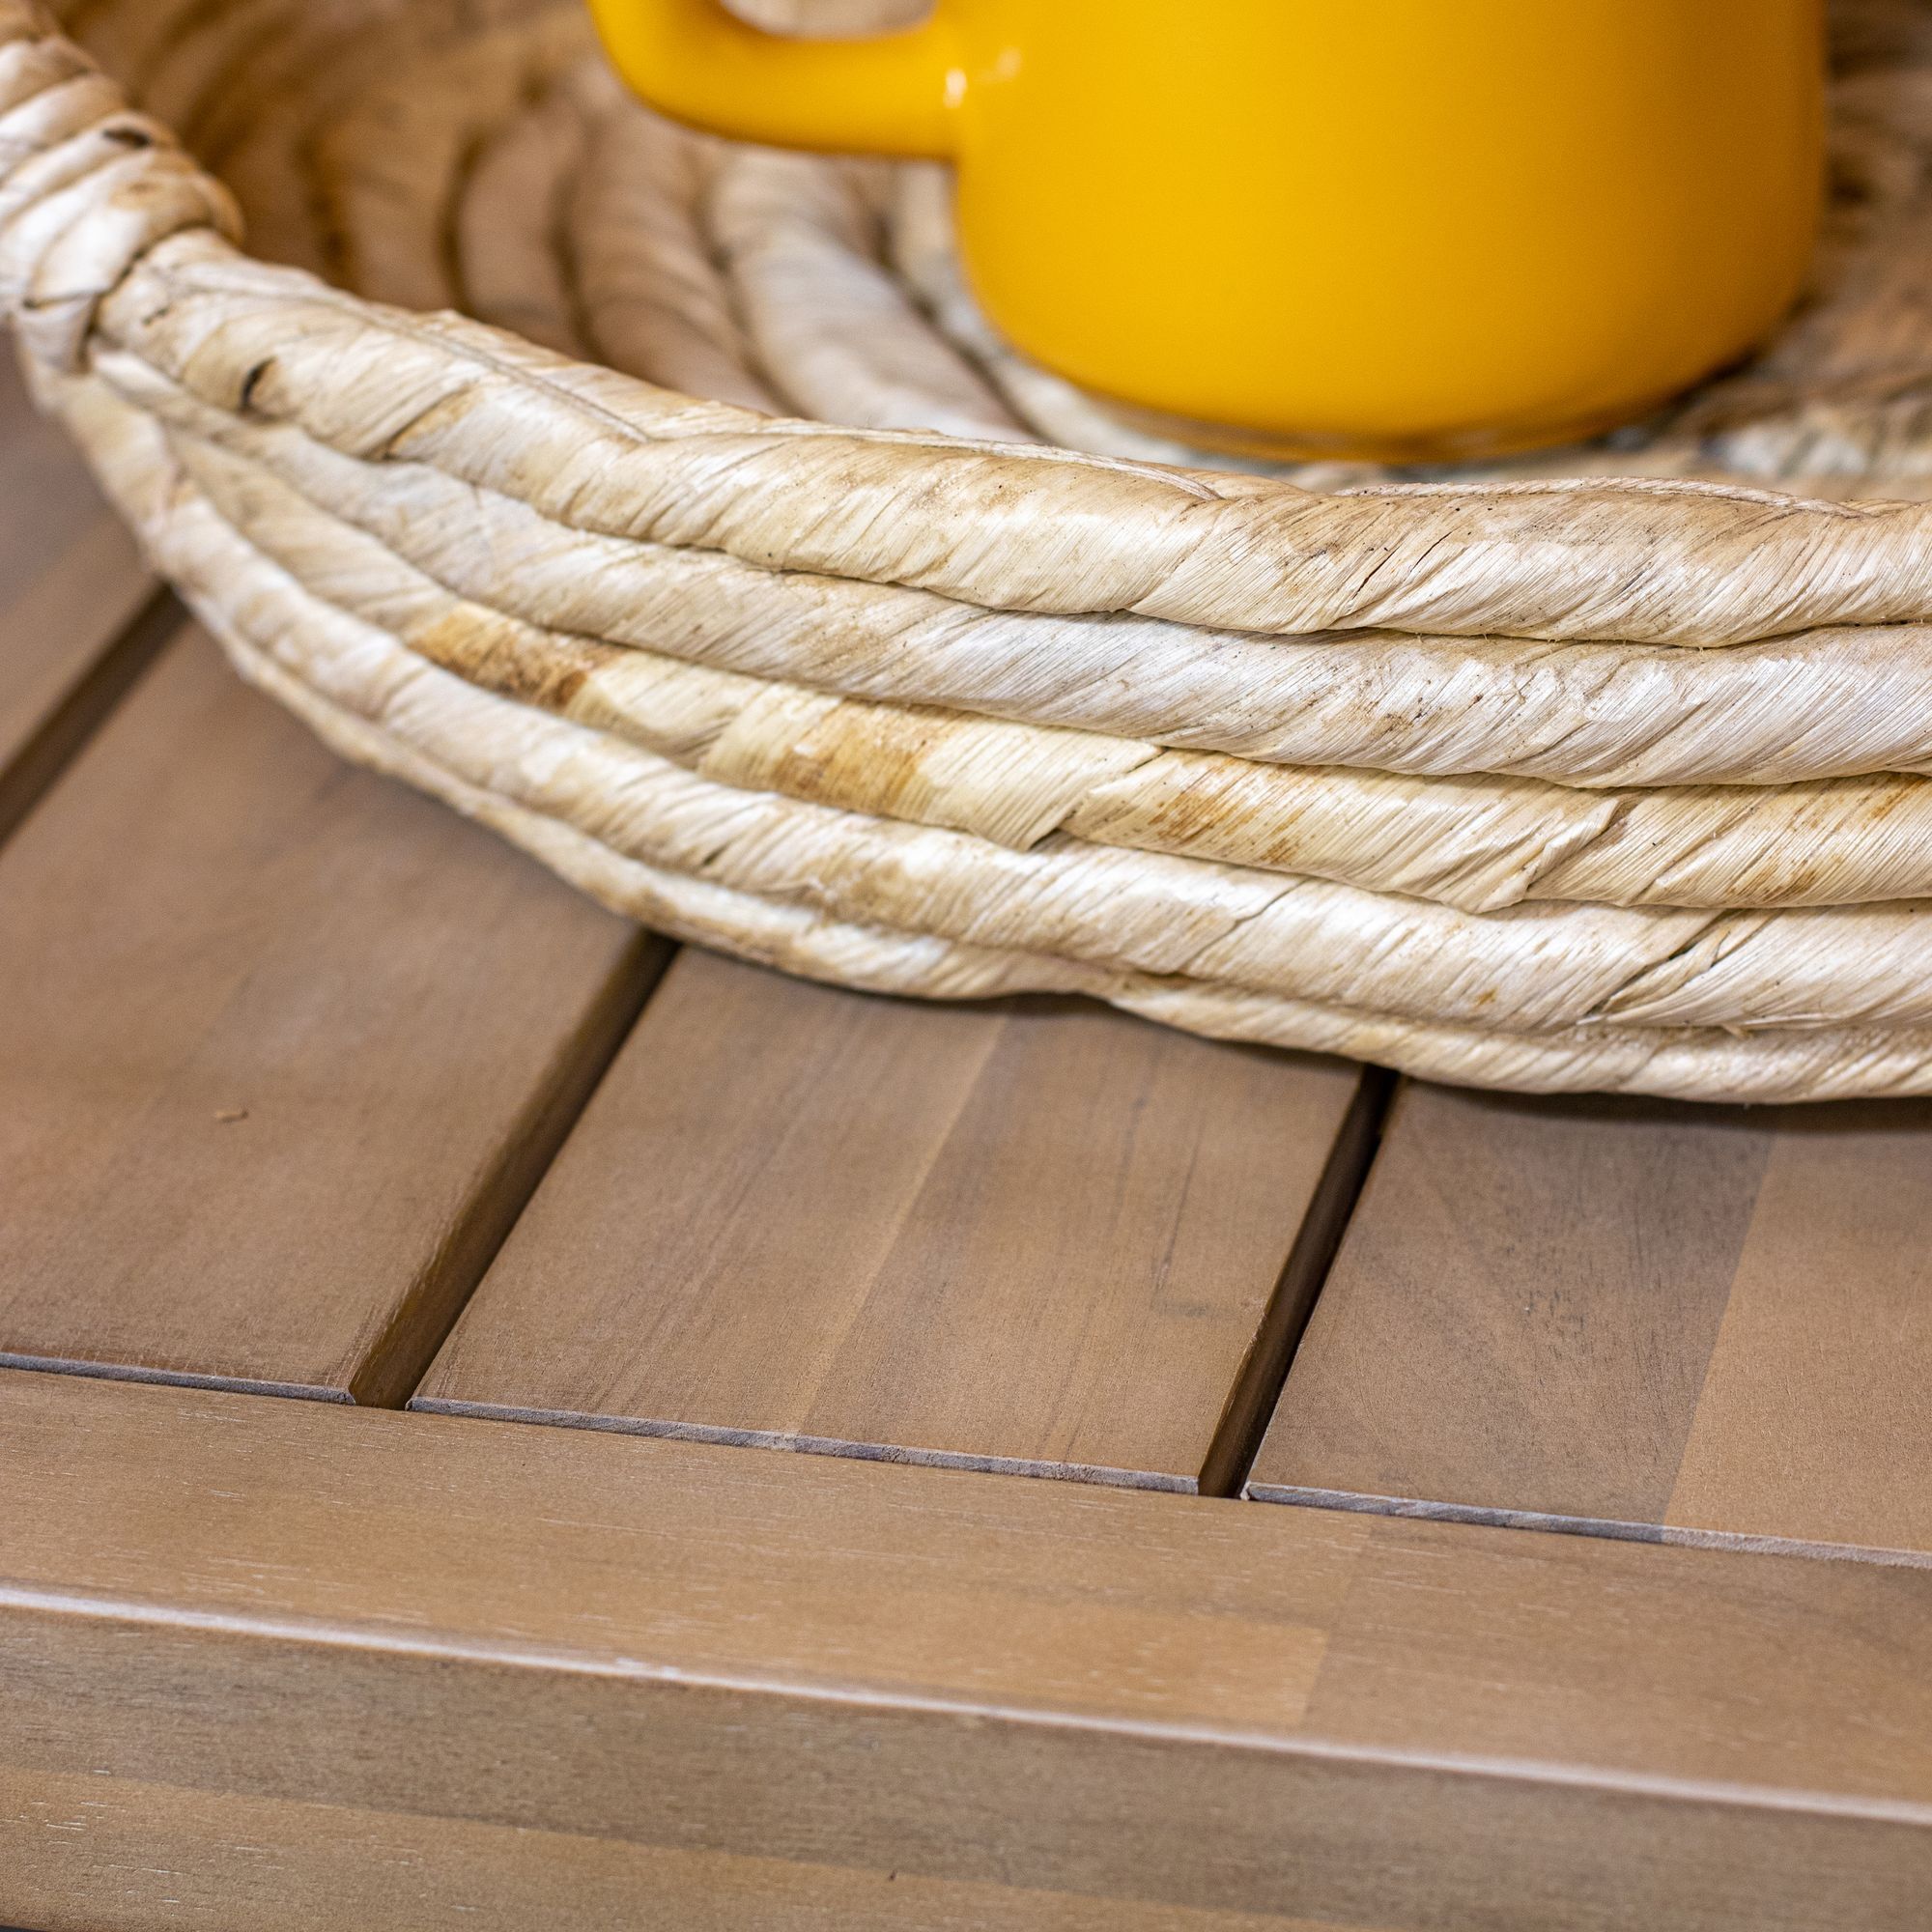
x,y
1602,772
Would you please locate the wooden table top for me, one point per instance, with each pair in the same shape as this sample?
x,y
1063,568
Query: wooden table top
x,y
1246,1491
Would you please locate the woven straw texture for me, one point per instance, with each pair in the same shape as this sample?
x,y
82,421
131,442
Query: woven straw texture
x,y
668,507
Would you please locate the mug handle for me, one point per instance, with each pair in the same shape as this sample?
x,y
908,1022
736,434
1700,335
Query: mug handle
x,y
701,65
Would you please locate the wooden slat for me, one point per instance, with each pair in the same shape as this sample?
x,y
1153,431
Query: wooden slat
x,y
285,1627
1814,1423
1039,1237
284,1049
1655,1321
70,583
112,1855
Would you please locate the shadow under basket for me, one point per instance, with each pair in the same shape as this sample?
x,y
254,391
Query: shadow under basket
x,y
668,506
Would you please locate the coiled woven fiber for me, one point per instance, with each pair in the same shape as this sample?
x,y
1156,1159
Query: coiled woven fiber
x,y
668,506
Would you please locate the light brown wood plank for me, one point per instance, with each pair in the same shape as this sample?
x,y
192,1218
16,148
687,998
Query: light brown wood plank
x,y
639,1656
95,1853
1655,1321
70,583
1814,1423
284,1049
1038,1237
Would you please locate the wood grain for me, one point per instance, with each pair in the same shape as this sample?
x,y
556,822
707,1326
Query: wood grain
x,y
1657,1322
97,1854
1038,1236
1815,1422
71,583
285,1048
641,1654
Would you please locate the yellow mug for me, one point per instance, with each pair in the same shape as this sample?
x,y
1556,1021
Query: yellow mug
x,y
1405,229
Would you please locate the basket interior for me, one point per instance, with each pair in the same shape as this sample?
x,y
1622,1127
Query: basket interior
x,y
477,155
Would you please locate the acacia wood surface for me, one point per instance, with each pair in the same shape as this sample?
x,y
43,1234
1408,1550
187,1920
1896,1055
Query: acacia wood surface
x,y
204,1858
71,582
1652,1320
1034,1235
963,1679
285,1046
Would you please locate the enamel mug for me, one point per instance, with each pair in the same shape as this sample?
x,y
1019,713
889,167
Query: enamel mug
x,y
1413,230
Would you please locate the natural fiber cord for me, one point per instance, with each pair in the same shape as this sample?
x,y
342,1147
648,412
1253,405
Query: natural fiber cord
x,y
669,507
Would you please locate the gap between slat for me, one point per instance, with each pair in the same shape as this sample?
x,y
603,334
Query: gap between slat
x,y
59,738
1258,1388
1749,1543
400,1358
